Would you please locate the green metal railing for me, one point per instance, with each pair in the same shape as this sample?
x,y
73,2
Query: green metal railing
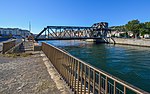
x,y
83,78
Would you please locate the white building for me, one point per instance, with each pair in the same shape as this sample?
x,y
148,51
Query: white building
x,y
14,31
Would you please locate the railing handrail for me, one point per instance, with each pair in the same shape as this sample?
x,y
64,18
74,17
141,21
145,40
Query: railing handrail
x,y
127,85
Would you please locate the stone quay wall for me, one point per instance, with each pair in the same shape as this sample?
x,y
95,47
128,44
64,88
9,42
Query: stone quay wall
x,y
134,42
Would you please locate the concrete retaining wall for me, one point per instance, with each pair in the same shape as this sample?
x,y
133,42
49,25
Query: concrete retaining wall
x,y
16,48
8,45
96,40
135,42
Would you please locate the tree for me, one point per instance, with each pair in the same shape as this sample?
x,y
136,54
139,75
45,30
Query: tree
x,y
143,31
147,25
134,26
145,28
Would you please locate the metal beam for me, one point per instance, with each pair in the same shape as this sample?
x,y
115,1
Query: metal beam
x,y
75,38
74,32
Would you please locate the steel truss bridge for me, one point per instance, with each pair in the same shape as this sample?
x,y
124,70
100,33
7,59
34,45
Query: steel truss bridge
x,y
96,31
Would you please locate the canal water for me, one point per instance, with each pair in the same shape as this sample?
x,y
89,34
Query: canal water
x,y
129,63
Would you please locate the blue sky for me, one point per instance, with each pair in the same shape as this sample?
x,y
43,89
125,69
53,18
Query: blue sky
x,y
41,13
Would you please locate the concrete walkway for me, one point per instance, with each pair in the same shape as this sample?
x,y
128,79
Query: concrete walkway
x,y
29,73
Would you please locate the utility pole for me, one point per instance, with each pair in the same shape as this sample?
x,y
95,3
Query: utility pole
x,y
30,26
31,35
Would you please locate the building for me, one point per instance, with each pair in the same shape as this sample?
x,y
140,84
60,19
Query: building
x,y
123,34
14,32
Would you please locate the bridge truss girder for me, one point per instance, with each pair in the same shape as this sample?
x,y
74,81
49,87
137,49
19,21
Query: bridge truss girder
x,y
72,32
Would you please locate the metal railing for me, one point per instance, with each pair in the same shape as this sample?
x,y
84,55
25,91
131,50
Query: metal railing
x,y
83,78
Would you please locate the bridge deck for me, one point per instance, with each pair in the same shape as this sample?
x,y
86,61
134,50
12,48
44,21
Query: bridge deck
x,y
69,38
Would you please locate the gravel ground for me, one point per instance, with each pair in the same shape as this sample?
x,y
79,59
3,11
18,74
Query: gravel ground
x,y
27,74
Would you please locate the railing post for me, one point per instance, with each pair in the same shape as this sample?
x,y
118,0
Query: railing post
x,y
75,76
106,85
65,66
93,81
59,61
89,80
70,61
54,59
78,77
62,64
56,63
114,87
124,90
81,78
48,52
70,70
84,79
72,74
99,86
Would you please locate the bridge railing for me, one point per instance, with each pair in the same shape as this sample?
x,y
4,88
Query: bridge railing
x,y
83,78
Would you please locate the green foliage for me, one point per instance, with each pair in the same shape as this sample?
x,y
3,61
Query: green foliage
x,y
144,32
122,35
138,28
147,25
133,26
145,29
